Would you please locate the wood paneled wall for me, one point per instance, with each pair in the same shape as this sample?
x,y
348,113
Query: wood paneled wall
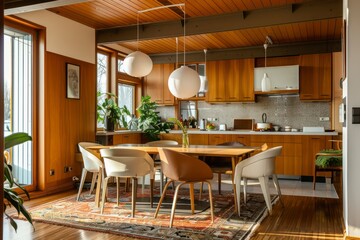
x,y
66,121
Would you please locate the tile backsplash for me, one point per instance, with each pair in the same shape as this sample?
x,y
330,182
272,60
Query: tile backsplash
x,y
280,110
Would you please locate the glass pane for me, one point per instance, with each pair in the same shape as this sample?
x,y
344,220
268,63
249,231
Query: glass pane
x,y
102,78
121,66
18,112
126,96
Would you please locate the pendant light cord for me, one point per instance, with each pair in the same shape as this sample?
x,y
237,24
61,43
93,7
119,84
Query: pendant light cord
x,y
265,47
184,33
137,33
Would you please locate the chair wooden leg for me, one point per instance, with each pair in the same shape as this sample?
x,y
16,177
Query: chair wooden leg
x,y
174,204
264,183
127,185
103,194
133,196
117,191
219,183
93,181
192,198
162,198
82,181
211,201
161,181
151,192
314,180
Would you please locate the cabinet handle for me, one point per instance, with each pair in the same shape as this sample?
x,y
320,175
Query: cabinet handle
x,y
247,97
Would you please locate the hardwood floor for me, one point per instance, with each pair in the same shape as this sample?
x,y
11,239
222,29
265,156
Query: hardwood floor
x,y
300,218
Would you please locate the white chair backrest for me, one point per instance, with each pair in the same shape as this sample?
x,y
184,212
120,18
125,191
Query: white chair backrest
x,y
162,143
91,162
127,162
261,164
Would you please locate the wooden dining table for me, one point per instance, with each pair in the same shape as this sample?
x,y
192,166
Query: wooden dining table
x,y
235,153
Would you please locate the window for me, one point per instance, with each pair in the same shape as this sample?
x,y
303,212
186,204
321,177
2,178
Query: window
x,y
19,99
102,78
126,96
121,66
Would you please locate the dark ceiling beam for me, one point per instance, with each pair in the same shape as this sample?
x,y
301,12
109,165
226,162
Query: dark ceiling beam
x,y
290,49
307,11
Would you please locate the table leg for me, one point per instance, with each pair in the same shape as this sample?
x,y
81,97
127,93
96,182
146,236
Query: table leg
x,y
98,189
192,198
233,164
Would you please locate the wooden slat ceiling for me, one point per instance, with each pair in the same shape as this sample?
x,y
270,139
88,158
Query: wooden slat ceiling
x,y
105,14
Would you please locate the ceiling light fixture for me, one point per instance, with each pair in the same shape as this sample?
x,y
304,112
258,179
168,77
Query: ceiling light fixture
x,y
138,64
184,82
265,82
203,79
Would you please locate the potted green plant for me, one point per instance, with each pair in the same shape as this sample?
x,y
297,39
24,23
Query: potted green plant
x,y
110,113
11,197
149,121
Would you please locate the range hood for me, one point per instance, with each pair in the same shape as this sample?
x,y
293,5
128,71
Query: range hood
x,y
284,79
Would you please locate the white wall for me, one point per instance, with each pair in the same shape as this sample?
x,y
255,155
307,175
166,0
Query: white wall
x,y
352,131
64,36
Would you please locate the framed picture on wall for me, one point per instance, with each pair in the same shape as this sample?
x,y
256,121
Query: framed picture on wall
x,y
72,81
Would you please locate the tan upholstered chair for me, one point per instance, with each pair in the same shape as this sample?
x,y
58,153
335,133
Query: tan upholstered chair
x,y
127,163
92,163
259,166
185,170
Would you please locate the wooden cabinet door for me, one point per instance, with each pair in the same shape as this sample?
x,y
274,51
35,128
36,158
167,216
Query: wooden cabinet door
x,y
325,80
215,139
315,77
168,98
244,139
229,73
246,77
198,139
154,84
216,92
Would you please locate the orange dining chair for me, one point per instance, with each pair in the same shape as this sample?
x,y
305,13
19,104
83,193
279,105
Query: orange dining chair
x,y
185,170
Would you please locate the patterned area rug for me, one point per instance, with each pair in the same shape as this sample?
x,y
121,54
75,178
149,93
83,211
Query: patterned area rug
x,y
117,220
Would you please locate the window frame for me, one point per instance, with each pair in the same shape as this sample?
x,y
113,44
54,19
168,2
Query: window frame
x,y
37,39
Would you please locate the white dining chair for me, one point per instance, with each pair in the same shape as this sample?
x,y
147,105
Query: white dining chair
x,y
92,163
259,166
127,163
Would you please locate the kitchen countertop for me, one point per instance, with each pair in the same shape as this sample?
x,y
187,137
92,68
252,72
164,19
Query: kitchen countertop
x,y
249,132
244,132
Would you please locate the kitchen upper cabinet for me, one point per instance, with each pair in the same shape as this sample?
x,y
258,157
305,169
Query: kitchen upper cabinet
x,y
231,80
315,77
156,84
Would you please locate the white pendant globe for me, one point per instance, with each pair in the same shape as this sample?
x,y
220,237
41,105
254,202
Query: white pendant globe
x,y
138,64
265,83
184,82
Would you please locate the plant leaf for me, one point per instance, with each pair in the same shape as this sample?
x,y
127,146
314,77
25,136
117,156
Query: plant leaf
x,y
15,139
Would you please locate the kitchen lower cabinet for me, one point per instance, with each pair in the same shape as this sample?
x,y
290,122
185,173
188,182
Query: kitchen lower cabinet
x,y
194,139
119,138
215,139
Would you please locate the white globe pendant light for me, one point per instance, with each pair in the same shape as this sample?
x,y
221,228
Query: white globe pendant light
x,y
184,82
138,64
265,81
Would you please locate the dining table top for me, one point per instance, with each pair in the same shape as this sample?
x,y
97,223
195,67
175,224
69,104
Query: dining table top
x,y
208,150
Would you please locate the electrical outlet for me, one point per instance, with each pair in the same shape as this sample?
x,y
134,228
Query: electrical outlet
x,y
324,119
70,169
52,172
66,169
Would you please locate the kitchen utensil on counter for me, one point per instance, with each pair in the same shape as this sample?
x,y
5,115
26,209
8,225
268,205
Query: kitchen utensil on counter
x,y
222,127
287,128
276,128
202,125
244,124
263,125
